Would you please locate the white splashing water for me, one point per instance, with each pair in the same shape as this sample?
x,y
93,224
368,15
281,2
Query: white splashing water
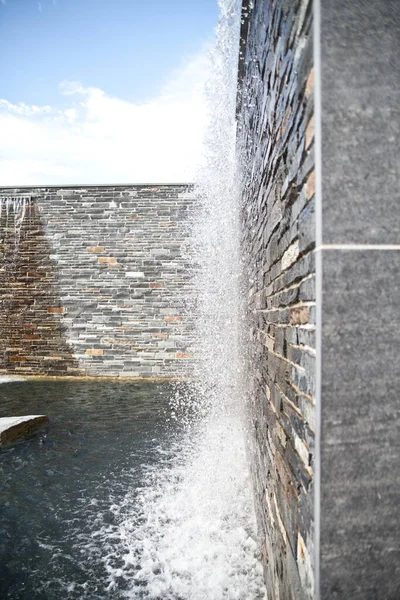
x,y
10,379
216,229
193,536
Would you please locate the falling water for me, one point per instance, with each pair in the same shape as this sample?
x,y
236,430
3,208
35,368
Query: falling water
x,y
194,533
12,215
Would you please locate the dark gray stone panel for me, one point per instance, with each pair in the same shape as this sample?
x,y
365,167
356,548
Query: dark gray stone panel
x,y
360,443
360,78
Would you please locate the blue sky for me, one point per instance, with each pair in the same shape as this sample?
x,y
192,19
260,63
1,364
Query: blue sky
x,y
69,66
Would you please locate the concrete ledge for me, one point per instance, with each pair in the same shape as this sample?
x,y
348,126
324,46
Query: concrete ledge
x,y
13,428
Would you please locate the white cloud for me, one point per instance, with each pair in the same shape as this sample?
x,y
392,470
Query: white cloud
x,y
103,139
23,109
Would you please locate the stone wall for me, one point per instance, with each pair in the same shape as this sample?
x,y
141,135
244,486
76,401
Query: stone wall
x,y
359,204
94,281
321,248
276,143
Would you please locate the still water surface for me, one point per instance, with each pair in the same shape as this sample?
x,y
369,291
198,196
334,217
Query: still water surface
x,y
62,490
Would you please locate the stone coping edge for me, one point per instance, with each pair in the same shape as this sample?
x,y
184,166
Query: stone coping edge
x,y
22,378
95,185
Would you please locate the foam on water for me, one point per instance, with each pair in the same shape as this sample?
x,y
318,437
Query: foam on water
x,y
187,534
10,379
190,534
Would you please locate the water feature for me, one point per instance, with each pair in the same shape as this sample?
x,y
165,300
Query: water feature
x,y
198,538
12,215
145,492
114,498
65,489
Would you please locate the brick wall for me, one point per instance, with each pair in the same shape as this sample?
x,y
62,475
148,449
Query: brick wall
x,y
276,133
93,281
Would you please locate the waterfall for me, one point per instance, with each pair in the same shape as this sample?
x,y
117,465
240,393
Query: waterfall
x,y
12,215
215,230
194,533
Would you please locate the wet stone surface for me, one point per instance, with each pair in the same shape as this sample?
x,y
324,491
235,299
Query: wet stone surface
x,y
14,428
276,141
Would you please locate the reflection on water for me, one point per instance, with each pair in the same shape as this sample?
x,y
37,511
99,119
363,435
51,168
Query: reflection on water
x,y
60,489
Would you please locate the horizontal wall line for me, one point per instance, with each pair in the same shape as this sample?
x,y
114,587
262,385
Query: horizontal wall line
x,y
357,247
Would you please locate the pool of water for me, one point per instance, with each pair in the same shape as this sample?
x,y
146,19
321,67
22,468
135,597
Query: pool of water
x,y
61,489
116,498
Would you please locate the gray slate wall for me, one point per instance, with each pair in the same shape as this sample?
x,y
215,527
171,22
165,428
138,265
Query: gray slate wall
x,y
94,281
276,139
322,273
359,238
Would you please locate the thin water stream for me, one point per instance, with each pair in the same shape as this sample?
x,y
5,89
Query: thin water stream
x,y
12,214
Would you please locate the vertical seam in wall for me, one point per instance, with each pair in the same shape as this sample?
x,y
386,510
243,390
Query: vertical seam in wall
x,y
318,279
